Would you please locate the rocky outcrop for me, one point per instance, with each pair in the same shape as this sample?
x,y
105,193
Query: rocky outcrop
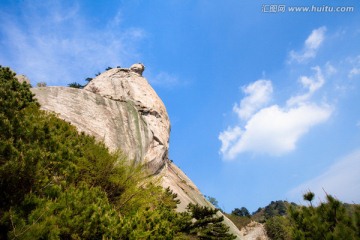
x,y
22,78
117,124
128,86
254,231
120,108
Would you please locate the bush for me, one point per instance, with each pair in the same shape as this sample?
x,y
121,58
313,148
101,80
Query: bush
x,y
239,222
278,228
75,85
41,84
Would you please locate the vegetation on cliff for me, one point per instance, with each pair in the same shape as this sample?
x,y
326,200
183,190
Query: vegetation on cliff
x,y
56,183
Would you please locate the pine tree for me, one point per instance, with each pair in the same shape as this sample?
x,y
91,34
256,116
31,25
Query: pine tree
x,y
206,224
330,220
75,85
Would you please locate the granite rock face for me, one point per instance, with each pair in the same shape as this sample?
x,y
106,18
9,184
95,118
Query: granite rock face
x,y
254,230
120,108
117,124
128,86
22,78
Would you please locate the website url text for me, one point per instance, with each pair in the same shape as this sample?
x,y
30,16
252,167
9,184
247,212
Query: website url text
x,y
278,8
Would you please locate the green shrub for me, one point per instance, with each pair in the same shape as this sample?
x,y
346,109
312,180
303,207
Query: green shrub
x,y
278,228
330,220
75,85
239,222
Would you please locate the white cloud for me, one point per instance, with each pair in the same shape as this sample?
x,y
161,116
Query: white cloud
x,y
258,94
52,42
342,180
311,84
330,69
353,72
311,45
229,137
274,130
354,69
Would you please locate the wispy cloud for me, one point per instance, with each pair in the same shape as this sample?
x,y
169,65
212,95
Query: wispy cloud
x,y
340,179
355,70
311,46
258,95
330,69
311,84
274,130
164,79
228,139
53,42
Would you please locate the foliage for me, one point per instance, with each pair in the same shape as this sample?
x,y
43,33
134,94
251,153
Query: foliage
x,y
75,85
108,68
309,196
275,208
15,98
243,212
278,228
239,222
329,220
41,84
257,211
213,201
78,212
206,224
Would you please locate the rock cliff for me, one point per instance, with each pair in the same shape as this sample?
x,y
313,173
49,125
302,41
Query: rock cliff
x,y
120,108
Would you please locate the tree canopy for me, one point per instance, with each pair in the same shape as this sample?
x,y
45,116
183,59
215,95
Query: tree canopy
x,y
243,212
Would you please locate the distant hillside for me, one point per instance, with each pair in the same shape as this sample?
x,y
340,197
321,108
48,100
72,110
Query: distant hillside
x,y
275,208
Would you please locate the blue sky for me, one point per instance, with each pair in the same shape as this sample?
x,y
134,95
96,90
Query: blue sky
x,y
263,105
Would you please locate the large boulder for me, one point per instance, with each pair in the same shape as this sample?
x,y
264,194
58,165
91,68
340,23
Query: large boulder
x,y
127,85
